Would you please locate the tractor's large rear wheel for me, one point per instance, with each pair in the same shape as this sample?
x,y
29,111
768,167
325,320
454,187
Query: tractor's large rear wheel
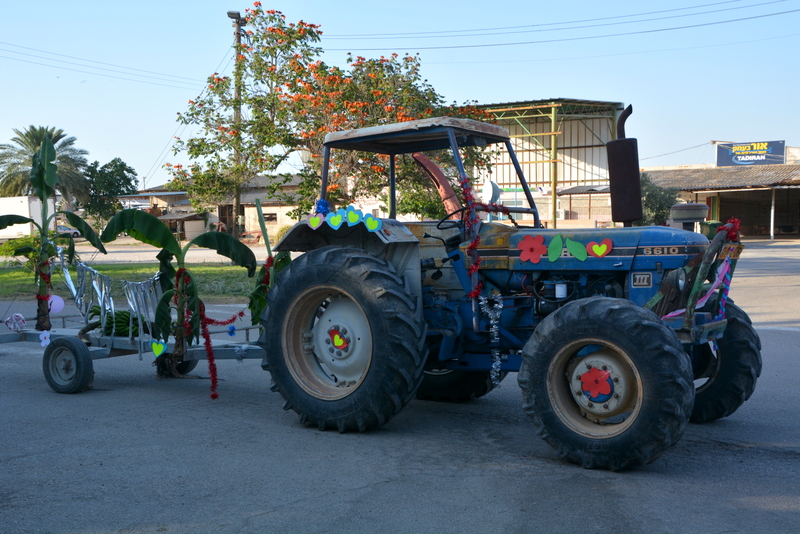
x,y
726,370
606,383
344,339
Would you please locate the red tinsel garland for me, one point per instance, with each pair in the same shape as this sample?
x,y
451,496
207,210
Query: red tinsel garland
x,y
267,266
44,272
212,365
733,233
205,321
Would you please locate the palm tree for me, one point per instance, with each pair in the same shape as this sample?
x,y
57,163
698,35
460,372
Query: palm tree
x,y
15,164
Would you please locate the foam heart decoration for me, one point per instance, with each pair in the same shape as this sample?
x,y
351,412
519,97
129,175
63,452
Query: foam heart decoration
x,y
158,347
338,341
599,250
373,224
335,220
315,220
354,216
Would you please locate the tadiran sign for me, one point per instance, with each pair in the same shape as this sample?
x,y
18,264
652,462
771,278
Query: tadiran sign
x,y
757,153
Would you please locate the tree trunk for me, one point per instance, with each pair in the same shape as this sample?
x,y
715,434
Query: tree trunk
x,y
43,297
237,201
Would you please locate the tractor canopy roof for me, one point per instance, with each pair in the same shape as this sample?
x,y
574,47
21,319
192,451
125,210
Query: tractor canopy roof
x,y
417,136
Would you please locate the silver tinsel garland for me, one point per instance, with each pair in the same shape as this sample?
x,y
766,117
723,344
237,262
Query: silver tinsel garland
x,y
492,307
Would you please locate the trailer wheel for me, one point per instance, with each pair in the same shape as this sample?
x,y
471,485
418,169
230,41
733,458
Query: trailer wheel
x,y
343,338
726,371
186,366
67,365
606,383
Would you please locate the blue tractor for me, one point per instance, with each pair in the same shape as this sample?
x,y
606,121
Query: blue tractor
x,y
619,336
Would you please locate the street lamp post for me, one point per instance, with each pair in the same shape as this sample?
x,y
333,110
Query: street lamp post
x,y
238,22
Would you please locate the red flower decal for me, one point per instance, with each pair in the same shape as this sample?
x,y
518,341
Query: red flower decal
x,y
532,248
595,382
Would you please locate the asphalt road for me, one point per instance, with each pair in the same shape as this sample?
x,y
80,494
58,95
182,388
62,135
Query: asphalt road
x,y
137,454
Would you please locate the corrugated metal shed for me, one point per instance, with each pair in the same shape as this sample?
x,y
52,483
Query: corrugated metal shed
x,y
728,178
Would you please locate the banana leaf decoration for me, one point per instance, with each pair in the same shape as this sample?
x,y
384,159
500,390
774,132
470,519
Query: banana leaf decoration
x,y
179,282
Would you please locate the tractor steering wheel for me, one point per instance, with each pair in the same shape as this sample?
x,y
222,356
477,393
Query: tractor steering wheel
x,y
446,224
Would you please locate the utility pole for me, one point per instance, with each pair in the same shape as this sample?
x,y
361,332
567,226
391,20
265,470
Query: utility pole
x,y
238,22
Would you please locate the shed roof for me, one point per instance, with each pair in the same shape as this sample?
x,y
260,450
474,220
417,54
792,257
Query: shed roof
x,y
722,178
585,190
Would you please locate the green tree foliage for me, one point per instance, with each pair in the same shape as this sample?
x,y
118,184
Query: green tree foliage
x,y
656,202
15,164
106,183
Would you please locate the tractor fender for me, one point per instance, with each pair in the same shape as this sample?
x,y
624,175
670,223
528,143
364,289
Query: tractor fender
x,y
393,243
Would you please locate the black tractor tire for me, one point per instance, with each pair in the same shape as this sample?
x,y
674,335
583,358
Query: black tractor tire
x,y
726,377
67,365
344,339
454,385
642,380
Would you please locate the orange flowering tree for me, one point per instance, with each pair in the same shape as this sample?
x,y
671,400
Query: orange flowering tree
x,y
289,101
372,92
250,133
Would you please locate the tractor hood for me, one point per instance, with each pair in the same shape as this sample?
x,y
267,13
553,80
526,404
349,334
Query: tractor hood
x,y
590,249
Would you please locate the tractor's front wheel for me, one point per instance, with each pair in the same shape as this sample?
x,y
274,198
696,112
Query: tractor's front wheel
x,y
726,370
343,338
606,383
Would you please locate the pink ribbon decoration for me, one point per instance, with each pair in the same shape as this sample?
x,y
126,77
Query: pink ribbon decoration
x,y
724,269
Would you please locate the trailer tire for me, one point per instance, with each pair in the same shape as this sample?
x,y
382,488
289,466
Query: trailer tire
x,y
186,366
606,383
730,372
67,365
343,338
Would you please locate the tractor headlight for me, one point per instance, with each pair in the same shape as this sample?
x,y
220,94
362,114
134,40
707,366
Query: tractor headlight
x,y
676,278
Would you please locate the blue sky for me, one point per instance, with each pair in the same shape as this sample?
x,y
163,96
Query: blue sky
x,y
115,74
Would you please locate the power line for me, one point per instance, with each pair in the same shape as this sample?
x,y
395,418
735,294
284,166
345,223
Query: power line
x,y
675,152
97,73
595,56
409,34
566,39
471,33
92,61
182,127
